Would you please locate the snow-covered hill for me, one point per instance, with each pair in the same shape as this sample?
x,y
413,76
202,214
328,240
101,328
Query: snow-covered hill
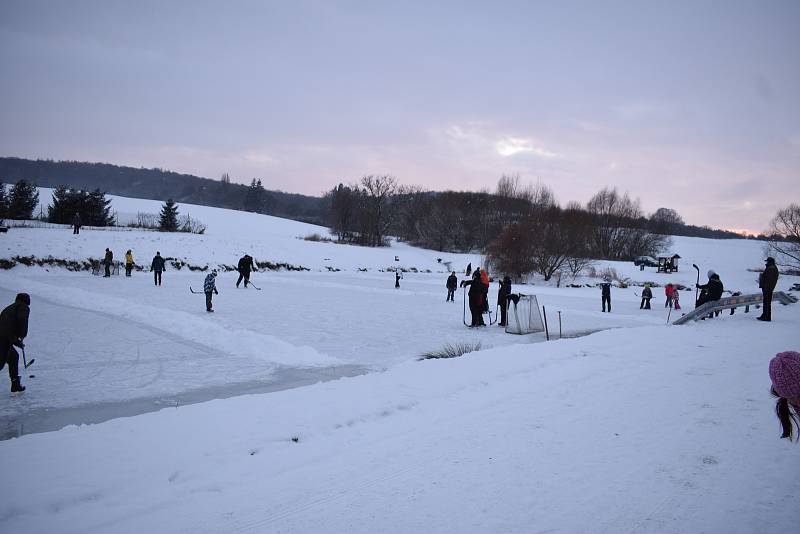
x,y
639,427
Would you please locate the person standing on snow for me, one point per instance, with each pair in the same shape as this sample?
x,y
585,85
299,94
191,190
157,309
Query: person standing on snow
x,y
209,288
244,267
76,223
767,282
784,371
485,282
647,294
502,299
452,284
13,329
128,262
605,294
669,292
476,293
676,299
157,267
107,261
469,269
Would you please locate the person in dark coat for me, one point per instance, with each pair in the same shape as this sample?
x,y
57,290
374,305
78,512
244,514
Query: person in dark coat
x,y
452,284
76,223
710,291
502,299
13,330
244,267
398,274
767,282
107,261
605,294
647,294
476,294
469,269
157,267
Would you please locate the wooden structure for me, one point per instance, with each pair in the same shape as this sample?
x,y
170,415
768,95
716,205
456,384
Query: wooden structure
x,y
668,264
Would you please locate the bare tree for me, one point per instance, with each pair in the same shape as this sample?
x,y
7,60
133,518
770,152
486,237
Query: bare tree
x,y
784,240
378,207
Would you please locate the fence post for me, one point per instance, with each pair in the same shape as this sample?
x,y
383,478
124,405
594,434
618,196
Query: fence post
x,y
546,332
559,324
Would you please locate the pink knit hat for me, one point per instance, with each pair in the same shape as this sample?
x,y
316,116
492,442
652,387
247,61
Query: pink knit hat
x,y
784,370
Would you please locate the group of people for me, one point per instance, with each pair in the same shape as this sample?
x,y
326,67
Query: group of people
x,y
479,294
157,266
670,292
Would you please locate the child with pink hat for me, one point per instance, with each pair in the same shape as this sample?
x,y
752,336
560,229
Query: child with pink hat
x,y
784,370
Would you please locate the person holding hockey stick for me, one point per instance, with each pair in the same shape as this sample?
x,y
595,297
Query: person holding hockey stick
x,y
476,294
244,267
502,299
13,329
647,294
209,288
784,371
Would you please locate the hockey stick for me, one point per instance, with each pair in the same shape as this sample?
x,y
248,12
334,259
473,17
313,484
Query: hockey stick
x,y
25,361
464,314
669,314
696,289
195,292
255,286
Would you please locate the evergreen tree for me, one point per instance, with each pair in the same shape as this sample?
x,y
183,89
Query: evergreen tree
x,y
256,198
3,201
22,200
98,209
168,221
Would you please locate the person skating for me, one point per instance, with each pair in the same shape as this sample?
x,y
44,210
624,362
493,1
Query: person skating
x,y
647,294
669,292
128,262
784,371
485,282
76,223
767,282
107,261
209,288
475,294
469,269
244,267
157,267
13,330
502,299
605,294
452,284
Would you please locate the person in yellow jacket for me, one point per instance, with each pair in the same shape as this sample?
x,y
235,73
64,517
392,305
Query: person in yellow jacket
x,y
128,262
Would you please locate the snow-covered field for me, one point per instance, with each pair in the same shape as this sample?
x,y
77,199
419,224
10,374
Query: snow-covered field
x,y
638,427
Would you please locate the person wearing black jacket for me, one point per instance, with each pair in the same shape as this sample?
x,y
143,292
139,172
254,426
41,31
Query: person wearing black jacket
x,y
244,267
452,284
605,294
711,290
502,299
76,223
156,267
107,261
13,329
476,295
767,282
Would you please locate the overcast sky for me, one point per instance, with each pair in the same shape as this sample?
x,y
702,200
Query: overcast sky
x,y
689,105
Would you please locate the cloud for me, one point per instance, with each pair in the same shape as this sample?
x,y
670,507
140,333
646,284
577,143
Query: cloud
x,y
511,146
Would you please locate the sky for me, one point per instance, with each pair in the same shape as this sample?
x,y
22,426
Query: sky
x,y
688,105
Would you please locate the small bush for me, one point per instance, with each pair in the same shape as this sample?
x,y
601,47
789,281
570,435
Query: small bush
x,y
317,238
451,351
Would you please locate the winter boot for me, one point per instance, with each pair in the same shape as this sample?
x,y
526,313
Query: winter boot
x,y
16,387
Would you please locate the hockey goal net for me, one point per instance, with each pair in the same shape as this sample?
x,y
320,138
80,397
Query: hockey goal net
x,y
524,316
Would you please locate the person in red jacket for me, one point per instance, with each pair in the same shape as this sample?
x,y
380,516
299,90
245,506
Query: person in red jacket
x,y
669,291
